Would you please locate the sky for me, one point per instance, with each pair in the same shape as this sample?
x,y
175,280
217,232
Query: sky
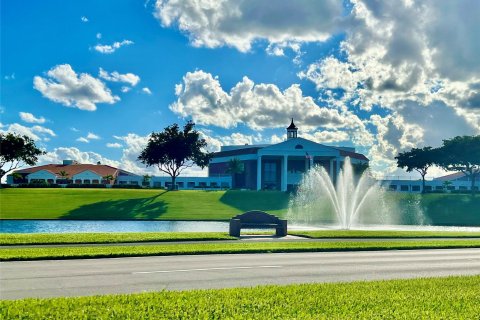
x,y
90,80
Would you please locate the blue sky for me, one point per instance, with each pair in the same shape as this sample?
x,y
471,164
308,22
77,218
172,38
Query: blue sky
x,y
91,79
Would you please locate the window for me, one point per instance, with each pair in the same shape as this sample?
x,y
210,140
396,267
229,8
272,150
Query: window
x,y
78,181
191,184
181,184
202,184
157,184
393,187
451,188
298,146
225,185
415,188
134,183
404,187
95,181
213,184
462,188
438,188
122,182
428,188
86,181
270,171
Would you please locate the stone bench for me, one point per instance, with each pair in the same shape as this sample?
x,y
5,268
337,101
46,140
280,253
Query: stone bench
x,y
257,220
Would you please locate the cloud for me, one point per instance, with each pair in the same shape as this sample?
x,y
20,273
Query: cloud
x,y
92,136
74,129
9,76
62,153
125,89
37,133
115,76
83,139
84,19
146,91
114,145
63,85
239,24
327,136
30,118
259,106
111,48
99,36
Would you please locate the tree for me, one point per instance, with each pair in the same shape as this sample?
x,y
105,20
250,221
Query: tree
x,y
64,175
146,180
174,150
235,166
17,151
107,179
417,159
461,153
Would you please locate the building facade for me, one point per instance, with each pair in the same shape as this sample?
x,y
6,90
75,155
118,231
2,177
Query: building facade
x,y
280,166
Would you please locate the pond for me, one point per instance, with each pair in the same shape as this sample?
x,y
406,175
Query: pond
x,y
74,226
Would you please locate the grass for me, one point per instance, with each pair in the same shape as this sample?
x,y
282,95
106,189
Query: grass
x,y
10,254
107,237
131,204
118,204
320,234
431,298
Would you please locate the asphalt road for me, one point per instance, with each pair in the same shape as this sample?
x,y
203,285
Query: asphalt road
x,y
53,278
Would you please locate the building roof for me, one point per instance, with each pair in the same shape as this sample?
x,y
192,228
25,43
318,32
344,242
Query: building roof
x,y
73,169
452,176
237,152
352,155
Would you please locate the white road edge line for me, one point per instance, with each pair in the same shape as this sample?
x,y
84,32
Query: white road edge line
x,y
203,269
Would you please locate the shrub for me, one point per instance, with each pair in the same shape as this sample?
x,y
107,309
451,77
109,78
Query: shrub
x,y
126,186
87,185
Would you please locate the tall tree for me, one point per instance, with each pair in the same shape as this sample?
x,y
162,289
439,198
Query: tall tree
x,y
235,166
417,159
17,151
174,150
461,153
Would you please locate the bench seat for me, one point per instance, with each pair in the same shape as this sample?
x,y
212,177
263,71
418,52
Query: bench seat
x,y
257,220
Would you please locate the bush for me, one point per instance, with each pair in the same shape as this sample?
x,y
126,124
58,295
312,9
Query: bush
x,y
38,185
126,186
87,185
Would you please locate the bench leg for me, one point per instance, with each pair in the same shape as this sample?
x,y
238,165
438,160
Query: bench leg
x,y
235,228
281,230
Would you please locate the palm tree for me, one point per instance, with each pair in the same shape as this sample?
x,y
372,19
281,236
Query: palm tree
x,y
107,179
235,166
146,180
64,175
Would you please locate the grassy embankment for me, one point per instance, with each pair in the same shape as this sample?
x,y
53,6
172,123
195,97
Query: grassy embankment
x,y
77,252
7,239
108,237
432,298
118,204
113,204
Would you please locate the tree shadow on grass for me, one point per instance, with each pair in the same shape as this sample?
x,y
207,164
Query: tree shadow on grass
x,y
256,200
123,209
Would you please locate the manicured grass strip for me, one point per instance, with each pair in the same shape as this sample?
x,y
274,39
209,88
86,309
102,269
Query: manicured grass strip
x,y
383,234
432,298
206,248
71,238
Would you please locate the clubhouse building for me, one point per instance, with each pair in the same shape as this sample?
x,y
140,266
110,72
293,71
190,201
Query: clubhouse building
x,y
265,167
281,166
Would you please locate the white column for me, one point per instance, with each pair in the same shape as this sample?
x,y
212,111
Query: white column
x,y
284,173
331,169
259,173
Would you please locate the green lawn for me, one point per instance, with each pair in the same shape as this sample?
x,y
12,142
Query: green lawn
x,y
382,234
432,298
77,252
108,237
110,204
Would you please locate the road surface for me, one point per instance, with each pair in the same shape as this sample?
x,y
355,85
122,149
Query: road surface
x,y
53,278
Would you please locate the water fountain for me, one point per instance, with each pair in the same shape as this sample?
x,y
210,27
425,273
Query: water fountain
x,y
317,198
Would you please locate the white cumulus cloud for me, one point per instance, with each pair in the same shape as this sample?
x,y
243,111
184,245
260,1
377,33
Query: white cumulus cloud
x,y
30,118
111,48
115,76
63,85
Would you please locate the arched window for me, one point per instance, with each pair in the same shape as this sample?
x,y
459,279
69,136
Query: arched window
x,y
298,146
